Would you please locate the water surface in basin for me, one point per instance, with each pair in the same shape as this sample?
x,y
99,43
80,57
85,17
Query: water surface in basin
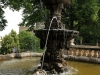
x,y
25,66
18,66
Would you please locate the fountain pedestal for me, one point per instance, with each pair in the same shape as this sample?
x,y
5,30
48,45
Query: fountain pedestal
x,y
58,38
57,41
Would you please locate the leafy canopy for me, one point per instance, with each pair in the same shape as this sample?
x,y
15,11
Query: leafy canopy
x,y
28,41
3,21
9,42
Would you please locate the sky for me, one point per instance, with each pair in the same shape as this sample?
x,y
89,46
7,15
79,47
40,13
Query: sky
x,y
13,18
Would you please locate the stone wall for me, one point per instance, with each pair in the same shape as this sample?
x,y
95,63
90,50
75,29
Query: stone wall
x,y
84,53
83,50
20,55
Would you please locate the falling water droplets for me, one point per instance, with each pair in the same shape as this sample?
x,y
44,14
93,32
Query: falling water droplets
x,y
47,39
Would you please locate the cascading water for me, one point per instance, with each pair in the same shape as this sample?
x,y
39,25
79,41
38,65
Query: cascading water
x,y
47,40
53,59
71,70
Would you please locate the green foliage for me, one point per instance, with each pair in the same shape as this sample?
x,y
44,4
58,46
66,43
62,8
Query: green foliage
x,y
28,41
32,11
82,15
90,34
15,38
9,42
3,21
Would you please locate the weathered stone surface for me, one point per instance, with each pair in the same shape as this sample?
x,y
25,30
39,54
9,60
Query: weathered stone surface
x,y
39,72
57,39
55,7
53,59
20,55
84,53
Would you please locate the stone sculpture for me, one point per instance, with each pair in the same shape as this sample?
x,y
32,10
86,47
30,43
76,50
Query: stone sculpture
x,y
56,7
53,61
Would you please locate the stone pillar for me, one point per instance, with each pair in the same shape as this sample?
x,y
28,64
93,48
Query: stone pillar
x,y
57,42
81,39
53,59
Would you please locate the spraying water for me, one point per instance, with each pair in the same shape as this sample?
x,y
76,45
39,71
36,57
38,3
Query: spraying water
x,y
47,39
71,70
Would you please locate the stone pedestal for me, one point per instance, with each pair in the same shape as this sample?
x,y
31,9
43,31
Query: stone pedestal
x,y
57,41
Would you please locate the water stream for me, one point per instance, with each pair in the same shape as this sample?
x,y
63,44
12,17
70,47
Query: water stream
x,y
25,66
47,39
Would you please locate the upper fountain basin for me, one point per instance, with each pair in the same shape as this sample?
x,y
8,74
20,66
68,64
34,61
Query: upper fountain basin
x,y
56,33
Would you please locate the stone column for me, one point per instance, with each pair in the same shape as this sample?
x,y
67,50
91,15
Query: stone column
x,y
53,60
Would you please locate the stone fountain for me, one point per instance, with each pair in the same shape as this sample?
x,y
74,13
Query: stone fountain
x,y
54,38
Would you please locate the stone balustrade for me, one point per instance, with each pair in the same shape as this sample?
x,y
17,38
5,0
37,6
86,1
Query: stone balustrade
x,y
84,53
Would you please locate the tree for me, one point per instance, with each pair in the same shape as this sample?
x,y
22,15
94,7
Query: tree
x,y
91,27
79,14
28,41
9,42
82,16
32,10
3,21
15,38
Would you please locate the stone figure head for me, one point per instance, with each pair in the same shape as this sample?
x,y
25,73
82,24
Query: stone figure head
x,y
56,7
